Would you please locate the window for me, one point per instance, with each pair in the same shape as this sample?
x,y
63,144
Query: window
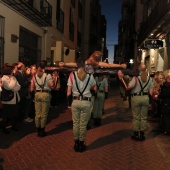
x,y
29,52
59,17
71,24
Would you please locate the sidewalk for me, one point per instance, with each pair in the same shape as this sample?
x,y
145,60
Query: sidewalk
x,y
109,146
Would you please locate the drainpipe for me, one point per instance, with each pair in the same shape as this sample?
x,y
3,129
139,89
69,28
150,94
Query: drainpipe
x,y
45,43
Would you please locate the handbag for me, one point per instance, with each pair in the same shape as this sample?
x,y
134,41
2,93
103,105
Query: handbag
x,y
6,95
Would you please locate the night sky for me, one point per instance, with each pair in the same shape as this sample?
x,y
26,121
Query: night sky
x,y
112,11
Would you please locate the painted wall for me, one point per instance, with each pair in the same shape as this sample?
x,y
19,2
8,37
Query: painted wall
x,y
156,59
13,21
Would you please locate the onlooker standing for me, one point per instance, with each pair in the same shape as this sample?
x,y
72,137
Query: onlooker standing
x,y
32,107
22,80
27,117
43,64
33,69
158,81
42,83
165,105
63,87
140,87
79,84
10,108
55,91
102,92
15,67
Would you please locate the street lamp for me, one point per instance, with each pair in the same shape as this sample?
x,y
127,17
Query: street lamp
x,y
131,63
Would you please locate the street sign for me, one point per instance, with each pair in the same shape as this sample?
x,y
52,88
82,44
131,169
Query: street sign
x,y
153,44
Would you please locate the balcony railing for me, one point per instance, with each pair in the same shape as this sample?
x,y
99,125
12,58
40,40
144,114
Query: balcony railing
x,y
46,9
39,12
160,11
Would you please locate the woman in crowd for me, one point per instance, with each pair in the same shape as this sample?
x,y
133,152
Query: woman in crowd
x,y
55,91
15,67
165,105
10,108
27,113
158,81
33,69
32,107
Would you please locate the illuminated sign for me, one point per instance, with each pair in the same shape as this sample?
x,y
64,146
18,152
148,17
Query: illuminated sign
x,y
153,44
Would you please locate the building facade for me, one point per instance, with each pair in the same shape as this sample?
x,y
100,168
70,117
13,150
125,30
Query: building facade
x,y
153,37
126,35
54,30
149,33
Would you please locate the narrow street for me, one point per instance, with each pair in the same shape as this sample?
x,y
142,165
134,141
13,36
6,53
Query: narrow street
x,y
109,146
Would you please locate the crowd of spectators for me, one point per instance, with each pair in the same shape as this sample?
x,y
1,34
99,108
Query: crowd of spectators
x,y
160,101
22,108
17,77
159,108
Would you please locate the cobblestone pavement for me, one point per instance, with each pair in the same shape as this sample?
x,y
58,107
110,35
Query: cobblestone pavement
x,y
109,146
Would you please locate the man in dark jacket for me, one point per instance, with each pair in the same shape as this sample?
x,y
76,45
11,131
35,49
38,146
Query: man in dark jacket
x,y
22,80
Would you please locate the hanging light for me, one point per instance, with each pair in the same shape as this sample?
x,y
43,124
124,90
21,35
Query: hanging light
x,y
131,61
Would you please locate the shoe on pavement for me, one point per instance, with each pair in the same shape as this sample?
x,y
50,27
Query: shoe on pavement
x,y
28,120
14,128
5,131
88,127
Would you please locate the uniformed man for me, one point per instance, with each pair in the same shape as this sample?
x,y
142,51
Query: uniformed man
x,y
79,84
42,83
102,93
140,87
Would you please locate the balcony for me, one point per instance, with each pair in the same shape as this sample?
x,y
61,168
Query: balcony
x,y
158,17
38,12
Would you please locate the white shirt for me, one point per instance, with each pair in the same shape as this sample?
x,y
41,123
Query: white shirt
x,y
81,84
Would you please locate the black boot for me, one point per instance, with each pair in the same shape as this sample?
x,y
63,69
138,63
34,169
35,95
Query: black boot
x,y
95,121
42,132
88,126
5,131
135,136
14,128
14,125
4,125
142,136
76,145
82,146
38,131
99,122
